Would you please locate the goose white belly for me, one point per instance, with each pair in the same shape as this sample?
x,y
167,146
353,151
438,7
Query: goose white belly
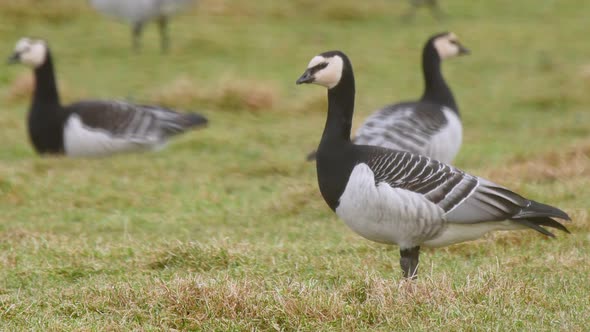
x,y
445,144
82,141
388,215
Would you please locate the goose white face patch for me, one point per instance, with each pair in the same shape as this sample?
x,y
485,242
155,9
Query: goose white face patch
x,y
447,46
31,52
329,70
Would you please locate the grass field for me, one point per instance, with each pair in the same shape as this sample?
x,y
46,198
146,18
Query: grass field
x,y
226,230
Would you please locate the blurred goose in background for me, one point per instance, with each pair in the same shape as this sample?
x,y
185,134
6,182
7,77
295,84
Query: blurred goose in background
x,y
397,197
139,12
431,4
430,126
91,128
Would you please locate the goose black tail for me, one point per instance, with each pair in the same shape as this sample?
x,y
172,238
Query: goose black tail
x,y
538,214
195,120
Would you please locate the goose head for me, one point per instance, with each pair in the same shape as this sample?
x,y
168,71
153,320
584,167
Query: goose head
x,y
31,52
447,45
324,69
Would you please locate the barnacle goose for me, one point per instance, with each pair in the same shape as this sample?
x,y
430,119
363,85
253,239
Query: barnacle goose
x,y
430,126
91,128
139,12
397,197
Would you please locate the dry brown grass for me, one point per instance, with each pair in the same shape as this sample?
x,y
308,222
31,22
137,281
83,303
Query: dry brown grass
x,y
584,71
228,94
568,163
369,302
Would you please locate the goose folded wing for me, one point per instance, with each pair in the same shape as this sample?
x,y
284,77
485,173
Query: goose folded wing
x,y
133,122
492,202
464,198
408,125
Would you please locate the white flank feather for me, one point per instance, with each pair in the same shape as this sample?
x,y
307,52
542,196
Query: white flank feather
x,y
82,141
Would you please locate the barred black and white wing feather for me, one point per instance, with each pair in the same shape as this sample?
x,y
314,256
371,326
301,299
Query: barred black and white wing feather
x,y
98,128
464,198
411,200
418,127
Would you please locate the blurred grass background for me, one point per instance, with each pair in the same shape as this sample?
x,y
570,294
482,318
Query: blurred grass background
x,y
226,230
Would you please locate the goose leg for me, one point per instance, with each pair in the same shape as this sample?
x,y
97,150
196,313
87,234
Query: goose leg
x,y
409,262
164,37
137,29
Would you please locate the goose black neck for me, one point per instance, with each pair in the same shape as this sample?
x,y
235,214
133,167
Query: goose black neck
x,y
45,85
340,108
436,89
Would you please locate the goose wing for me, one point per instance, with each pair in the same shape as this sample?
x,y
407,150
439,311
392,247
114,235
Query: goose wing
x,y
464,198
125,120
407,126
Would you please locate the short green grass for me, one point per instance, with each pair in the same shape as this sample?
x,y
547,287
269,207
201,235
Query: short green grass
x,y
225,229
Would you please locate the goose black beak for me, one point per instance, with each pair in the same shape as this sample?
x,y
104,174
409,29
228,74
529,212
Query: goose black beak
x,y
15,58
463,50
307,77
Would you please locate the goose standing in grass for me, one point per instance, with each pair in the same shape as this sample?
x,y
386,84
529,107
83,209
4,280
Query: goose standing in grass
x,y
139,12
397,197
430,126
91,128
